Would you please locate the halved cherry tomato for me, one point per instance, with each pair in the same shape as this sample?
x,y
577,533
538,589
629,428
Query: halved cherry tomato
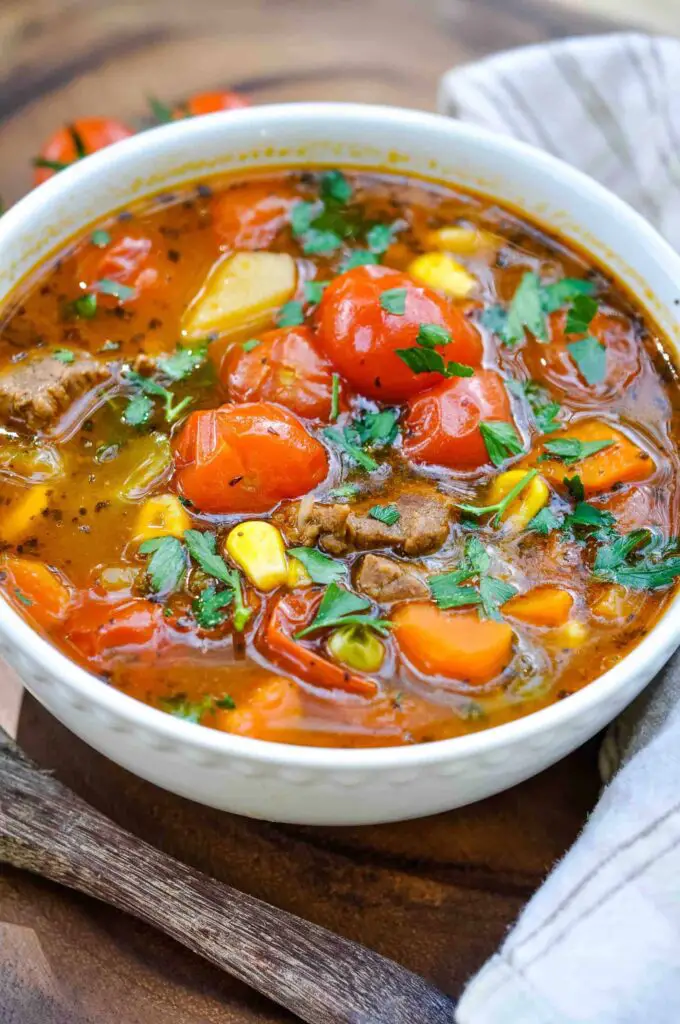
x,y
131,258
289,615
210,103
442,426
361,337
285,367
246,458
554,363
250,216
97,628
35,590
94,132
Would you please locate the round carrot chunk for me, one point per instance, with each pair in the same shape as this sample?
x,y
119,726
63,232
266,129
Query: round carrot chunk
x,y
36,590
542,606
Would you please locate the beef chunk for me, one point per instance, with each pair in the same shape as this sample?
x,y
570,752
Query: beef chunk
x,y
38,390
384,580
422,527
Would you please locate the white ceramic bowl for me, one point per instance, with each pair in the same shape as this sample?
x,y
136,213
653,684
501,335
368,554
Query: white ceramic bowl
x,y
307,784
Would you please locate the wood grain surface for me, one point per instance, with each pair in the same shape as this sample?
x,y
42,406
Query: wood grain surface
x,y
436,895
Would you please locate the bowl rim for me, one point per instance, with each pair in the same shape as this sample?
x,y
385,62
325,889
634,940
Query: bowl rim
x,y
655,647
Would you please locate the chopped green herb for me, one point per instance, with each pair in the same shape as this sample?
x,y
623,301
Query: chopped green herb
x,y
448,593
379,238
499,508
24,598
167,564
291,314
574,485
568,289
358,258
544,409
100,238
501,440
250,344
314,291
64,355
340,607
119,291
393,300
190,711
655,568
615,554
570,450
529,306
432,335
210,606
319,240
138,411
85,306
335,396
163,114
147,387
494,593
590,356
202,547
544,522
581,314
303,215
335,186
589,515
377,428
426,360
225,703
345,440
320,567
387,514
345,492
184,361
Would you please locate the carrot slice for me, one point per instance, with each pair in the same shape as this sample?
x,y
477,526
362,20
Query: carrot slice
x,y
542,606
290,614
456,645
272,712
622,462
34,589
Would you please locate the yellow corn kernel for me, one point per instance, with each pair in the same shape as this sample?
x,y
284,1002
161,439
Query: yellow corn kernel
x,y
528,502
357,647
615,602
161,516
572,634
442,272
297,574
242,293
466,241
257,548
21,515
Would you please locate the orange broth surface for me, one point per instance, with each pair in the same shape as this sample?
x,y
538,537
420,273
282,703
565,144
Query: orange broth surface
x,y
78,482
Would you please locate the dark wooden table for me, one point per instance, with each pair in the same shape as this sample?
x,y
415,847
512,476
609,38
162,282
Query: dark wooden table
x,y
437,895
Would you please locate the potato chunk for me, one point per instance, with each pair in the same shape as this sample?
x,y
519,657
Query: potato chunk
x,y
241,293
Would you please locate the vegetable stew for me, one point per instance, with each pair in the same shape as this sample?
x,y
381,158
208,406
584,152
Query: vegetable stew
x,y
335,458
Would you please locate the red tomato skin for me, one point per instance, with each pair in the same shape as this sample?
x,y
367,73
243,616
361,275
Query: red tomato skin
x,y
131,259
442,425
210,103
287,368
246,458
251,217
97,628
96,133
361,338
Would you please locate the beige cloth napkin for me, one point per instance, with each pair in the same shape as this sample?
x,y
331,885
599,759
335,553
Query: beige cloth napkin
x,y
600,941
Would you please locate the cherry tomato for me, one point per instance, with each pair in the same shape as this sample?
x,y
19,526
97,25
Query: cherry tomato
x,y
361,338
94,132
291,613
99,628
251,216
210,103
285,367
554,363
246,458
36,590
442,425
132,259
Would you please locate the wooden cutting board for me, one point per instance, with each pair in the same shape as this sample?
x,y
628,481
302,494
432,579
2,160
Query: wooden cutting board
x,y
437,895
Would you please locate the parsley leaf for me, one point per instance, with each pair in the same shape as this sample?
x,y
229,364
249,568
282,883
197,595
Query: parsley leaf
x,y
589,515
580,315
184,361
120,291
161,111
314,291
569,449
393,300
448,593
85,306
335,186
340,607
543,408
345,492
189,710
500,507
345,440
319,240
379,238
494,593
544,522
590,356
501,440
291,314
529,306
202,547
100,238
167,564
387,514
358,258
431,335
377,428
651,571
138,411
64,355
209,607
426,360
250,344
574,485
568,289
320,567
303,215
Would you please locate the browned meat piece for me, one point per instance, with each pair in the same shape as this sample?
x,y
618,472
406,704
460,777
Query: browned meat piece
x,y
384,580
422,527
38,390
